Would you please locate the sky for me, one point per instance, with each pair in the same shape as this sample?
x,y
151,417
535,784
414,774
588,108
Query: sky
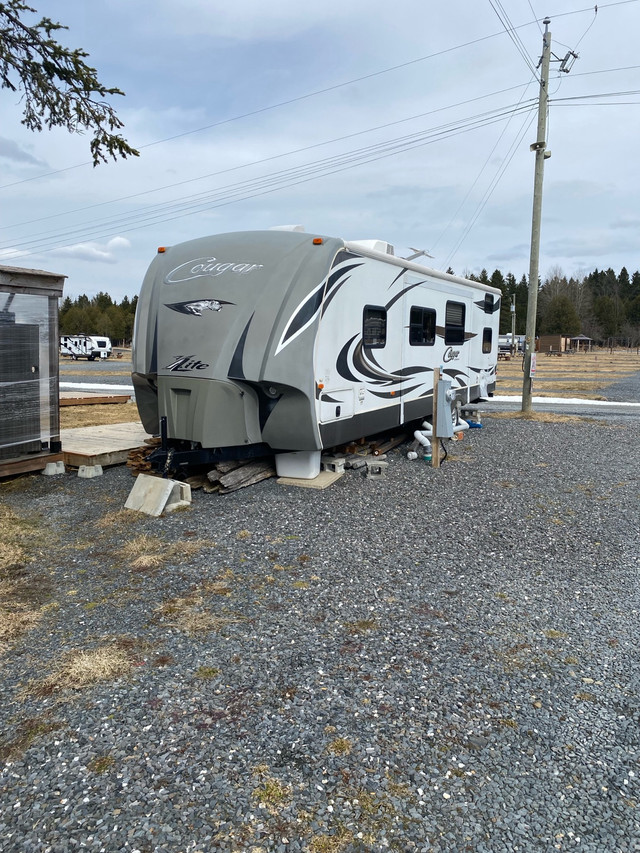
x,y
407,122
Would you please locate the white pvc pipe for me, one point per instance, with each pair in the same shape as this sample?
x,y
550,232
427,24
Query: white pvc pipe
x,y
422,438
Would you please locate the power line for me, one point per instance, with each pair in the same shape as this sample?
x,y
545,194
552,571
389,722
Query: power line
x,y
504,19
200,178
490,189
277,105
477,178
267,184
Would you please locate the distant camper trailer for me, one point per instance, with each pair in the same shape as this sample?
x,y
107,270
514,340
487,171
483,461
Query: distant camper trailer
x,y
85,346
252,342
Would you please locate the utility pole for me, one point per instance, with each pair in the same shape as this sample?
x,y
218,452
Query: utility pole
x,y
514,348
539,146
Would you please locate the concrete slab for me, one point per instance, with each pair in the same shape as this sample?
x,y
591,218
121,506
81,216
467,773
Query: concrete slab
x,y
155,495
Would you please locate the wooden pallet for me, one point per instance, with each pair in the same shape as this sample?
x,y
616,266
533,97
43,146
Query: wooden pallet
x,y
101,445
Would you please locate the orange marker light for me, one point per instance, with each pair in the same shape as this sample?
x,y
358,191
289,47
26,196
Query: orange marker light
x,y
318,241
321,385
161,249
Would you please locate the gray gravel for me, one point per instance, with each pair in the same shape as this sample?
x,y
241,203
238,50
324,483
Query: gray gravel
x,y
435,661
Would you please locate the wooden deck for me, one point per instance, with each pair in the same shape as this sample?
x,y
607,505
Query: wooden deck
x,y
101,445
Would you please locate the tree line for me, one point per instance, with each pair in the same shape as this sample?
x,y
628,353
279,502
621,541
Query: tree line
x,y
99,315
601,305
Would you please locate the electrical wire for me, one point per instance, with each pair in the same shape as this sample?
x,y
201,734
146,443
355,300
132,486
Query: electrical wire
x,y
277,105
250,189
478,176
504,19
200,178
490,190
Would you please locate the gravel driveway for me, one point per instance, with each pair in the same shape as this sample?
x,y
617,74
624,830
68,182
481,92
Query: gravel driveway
x,y
434,661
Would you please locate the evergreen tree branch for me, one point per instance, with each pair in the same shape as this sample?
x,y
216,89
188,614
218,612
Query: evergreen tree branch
x,y
59,89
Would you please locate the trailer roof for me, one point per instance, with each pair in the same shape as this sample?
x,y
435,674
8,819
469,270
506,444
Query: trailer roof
x,y
355,246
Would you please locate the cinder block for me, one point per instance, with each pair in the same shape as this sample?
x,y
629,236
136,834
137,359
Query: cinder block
x,y
333,463
52,468
154,495
180,496
89,471
376,470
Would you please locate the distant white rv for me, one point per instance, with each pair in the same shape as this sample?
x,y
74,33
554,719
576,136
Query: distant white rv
x,y
85,346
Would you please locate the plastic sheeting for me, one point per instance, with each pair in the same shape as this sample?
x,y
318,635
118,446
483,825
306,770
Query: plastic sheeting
x,y
29,413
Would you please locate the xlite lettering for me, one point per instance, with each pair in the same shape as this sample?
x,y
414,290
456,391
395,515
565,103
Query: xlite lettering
x,y
183,363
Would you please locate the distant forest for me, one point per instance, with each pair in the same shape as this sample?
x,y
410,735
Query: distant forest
x,y
99,315
601,305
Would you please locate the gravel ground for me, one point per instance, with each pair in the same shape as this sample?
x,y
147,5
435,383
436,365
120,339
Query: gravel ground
x,y
434,661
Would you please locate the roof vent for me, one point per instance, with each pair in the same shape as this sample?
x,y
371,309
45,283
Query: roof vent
x,y
287,228
375,246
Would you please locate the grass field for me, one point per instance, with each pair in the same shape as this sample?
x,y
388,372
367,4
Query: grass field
x,y
583,375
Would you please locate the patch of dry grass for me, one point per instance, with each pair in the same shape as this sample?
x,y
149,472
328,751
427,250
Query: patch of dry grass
x,y
189,613
22,593
150,552
83,668
27,732
98,415
118,518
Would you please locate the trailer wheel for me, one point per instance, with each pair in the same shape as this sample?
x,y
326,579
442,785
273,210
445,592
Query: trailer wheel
x,y
90,357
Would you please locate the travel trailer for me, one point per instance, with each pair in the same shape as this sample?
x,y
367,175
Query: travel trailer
x,y
85,346
280,341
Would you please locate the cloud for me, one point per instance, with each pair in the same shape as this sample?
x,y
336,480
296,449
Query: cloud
x,y
94,252
10,150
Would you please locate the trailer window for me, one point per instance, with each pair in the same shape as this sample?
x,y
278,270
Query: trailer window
x,y
488,303
374,327
454,323
422,327
487,336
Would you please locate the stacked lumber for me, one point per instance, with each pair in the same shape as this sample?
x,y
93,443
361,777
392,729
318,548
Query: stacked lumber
x,y
225,477
137,460
230,476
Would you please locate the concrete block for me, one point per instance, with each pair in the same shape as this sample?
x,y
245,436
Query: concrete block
x,y
52,468
86,472
376,470
154,495
333,463
179,497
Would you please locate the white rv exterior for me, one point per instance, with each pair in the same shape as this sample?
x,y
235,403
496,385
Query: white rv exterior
x,y
85,346
293,342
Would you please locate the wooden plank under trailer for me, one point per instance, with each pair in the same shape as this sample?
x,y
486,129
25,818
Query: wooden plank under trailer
x,y
28,463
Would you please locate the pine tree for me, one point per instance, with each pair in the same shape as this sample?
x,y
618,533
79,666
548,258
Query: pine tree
x,y
58,88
